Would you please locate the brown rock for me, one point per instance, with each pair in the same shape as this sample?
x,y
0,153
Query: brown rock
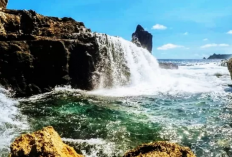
x,y
3,4
160,149
38,53
229,65
43,143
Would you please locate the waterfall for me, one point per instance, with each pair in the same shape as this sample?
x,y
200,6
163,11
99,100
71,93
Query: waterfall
x,y
123,63
126,69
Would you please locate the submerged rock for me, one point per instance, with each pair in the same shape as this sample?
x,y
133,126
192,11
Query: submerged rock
x,y
168,66
224,63
142,38
43,143
40,52
160,149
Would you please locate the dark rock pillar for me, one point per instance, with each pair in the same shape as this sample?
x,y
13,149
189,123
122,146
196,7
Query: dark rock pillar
x,y
142,38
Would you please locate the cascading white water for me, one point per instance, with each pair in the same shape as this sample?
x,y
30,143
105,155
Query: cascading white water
x,y
126,69
123,63
12,123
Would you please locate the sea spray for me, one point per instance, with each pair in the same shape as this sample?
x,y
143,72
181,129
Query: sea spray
x,y
125,69
12,123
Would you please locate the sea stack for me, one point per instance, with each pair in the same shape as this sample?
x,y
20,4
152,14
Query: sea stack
x,y
142,38
3,4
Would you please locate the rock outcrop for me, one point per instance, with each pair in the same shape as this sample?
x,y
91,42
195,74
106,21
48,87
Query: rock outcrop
x,y
43,143
142,38
168,66
39,52
3,4
160,149
229,65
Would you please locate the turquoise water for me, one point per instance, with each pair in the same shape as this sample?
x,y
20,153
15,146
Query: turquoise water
x,y
193,109
101,124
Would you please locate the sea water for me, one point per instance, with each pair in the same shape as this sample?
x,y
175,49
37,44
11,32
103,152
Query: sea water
x,y
134,102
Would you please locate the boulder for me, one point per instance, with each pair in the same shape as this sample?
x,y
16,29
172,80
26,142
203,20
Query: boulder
x,y
43,143
3,4
168,66
160,149
142,38
38,53
229,65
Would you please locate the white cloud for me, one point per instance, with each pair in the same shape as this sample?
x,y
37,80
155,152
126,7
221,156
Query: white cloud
x,y
214,45
169,46
205,39
186,33
229,32
160,27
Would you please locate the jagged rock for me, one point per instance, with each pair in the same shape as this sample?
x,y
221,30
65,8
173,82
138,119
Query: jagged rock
x,y
168,66
160,149
43,143
3,4
40,52
142,38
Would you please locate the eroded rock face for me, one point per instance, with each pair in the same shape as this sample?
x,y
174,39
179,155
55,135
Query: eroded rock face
x,y
38,53
142,38
45,142
3,4
160,149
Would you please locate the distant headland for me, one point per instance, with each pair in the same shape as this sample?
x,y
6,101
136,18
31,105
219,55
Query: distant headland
x,y
219,56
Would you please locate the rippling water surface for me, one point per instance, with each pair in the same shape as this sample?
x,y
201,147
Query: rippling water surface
x,y
134,102
195,110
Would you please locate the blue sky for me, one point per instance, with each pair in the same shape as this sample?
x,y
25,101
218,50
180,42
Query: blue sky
x,y
182,29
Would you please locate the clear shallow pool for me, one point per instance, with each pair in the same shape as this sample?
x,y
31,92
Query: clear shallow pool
x,y
111,121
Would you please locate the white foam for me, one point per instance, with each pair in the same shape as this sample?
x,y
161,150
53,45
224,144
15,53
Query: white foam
x,y
97,146
10,126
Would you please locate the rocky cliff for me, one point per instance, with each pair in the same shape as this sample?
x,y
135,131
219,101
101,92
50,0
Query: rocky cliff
x,y
142,38
39,52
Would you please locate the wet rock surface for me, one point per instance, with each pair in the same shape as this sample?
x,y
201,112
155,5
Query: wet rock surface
x,y
43,143
3,4
160,149
229,65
